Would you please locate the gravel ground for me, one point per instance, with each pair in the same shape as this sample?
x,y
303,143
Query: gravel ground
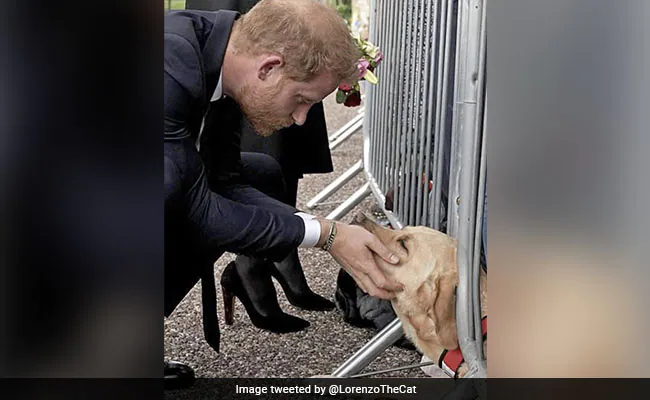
x,y
250,352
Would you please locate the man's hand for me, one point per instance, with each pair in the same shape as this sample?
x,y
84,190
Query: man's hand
x,y
353,248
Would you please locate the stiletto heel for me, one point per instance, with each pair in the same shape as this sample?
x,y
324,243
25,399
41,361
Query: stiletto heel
x,y
228,305
265,312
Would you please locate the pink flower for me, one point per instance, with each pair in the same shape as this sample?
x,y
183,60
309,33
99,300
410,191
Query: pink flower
x,y
349,93
379,57
345,87
363,67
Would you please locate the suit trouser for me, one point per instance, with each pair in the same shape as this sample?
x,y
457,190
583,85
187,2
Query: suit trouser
x,y
182,271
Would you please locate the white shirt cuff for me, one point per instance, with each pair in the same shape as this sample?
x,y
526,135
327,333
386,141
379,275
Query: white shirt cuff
x,y
312,230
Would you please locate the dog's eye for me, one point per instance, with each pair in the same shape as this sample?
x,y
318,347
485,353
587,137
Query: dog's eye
x,y
403,243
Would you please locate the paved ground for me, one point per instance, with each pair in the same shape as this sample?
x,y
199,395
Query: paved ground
x,y
250,352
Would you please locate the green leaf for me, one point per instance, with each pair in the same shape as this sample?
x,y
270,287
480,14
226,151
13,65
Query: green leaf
x,y
340,96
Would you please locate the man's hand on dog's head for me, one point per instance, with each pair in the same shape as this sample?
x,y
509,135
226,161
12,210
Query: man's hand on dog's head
x,y
353,248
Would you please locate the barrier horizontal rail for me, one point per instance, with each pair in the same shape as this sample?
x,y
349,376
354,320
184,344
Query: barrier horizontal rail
x,y
346,134
336,185
346,127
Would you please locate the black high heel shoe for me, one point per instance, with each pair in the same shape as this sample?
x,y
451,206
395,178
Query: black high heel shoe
x,y
263,311
291,277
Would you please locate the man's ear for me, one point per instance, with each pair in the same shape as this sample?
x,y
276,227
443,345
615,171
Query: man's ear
x,y
268,66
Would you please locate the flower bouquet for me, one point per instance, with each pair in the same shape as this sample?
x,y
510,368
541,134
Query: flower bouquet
x,y
350,95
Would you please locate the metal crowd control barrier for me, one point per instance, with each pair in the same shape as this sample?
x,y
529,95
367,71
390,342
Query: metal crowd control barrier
x,y
424,140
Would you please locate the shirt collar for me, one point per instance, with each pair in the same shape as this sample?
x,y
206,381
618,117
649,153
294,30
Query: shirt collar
x,y
218,92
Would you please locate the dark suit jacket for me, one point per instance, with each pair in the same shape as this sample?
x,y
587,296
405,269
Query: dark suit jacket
x,y
199,224
299,149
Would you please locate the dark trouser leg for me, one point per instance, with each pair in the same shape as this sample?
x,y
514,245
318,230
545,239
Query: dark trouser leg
x,y
186,259
183,267
181,275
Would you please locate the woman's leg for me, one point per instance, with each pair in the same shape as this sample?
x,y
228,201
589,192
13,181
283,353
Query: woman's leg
x,y
249,278
265,174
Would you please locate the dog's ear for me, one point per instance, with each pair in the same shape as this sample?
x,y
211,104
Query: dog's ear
x,y
436,296
425,296
444,310
423,320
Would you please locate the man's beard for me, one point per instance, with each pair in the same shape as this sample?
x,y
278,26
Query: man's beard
x,y
258,108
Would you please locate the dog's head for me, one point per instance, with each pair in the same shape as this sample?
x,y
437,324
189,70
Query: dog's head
x,y
429,272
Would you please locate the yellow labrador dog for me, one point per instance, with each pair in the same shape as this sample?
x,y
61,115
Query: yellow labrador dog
x,y
429,272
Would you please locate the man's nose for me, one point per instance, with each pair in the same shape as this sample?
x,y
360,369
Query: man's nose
x,y
300,114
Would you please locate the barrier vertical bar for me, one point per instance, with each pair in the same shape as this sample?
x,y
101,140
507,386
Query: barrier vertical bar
x,y
398,16
403,82
431,98
441,71
418,159
463,182
479,130
382,106
391,99
414,68
478,233
394,93
376,36
422,196
368,124
408,117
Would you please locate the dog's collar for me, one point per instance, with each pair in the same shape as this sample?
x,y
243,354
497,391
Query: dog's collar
x,y
450,361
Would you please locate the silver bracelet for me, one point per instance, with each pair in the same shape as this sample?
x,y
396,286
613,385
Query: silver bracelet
x,y
330,239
